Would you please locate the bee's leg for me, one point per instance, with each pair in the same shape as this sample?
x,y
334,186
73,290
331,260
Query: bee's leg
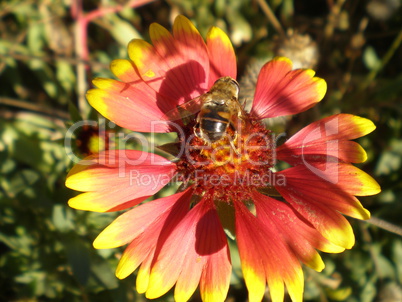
x,y
231,142
196,130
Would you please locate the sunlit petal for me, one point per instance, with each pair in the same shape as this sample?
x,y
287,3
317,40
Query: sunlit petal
x,y
221,54
311,185
186,253
298,233
264,256
327,138
321,213
283,91
113,178
128,107
176,66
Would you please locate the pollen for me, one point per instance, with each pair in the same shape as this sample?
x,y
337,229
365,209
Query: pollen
x,y
232,167
149,74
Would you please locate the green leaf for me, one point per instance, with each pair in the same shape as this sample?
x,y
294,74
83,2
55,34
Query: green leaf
x,y
371,59
386,268
339,294
122,30
62,218
7,164
241,29
65,75
18,182
78,258
35,37
397,258
105,275
391,159
368,293
74,113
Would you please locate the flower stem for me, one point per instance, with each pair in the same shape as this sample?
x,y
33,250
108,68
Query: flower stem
x,y
271,17
81,42
384,61
385,225
34,107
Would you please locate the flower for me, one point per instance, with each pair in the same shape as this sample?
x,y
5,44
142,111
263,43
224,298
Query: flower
x,y
91,139
279,218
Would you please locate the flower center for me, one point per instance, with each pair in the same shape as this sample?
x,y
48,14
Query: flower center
x,y
230,168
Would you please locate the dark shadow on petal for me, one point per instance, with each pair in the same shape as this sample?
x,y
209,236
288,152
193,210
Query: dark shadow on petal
x,y
210,237
179,210
182,84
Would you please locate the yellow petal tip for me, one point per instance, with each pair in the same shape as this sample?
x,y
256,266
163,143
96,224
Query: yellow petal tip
x,y
217,33
321,88
364,125
283,59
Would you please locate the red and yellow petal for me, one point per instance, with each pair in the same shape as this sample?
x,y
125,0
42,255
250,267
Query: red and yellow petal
x,y
299,234
328,137
105,200
177,66
137,253
348,178
265,256
212,243
125,71
253,266
221,55
170,258
117,179
311,185
329,223
192,46
128,107
142,227
303,191
142,281
148,218
189,278
283,91
184,255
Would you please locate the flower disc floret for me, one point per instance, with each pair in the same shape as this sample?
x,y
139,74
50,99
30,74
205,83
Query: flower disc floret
x,y
237,164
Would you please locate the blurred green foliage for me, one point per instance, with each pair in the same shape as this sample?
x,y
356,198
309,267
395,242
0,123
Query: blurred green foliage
x,y
45,247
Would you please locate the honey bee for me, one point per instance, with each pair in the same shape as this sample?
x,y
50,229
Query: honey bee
x,y
218,111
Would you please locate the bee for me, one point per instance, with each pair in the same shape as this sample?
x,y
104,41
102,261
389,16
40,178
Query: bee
x,y
218,111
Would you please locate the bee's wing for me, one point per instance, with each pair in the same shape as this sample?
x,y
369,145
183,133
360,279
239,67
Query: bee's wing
x,y
184,111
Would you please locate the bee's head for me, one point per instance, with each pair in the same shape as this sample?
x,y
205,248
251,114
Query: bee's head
x,y
227,84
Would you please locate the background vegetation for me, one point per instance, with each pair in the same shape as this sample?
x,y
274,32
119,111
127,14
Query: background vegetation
x,y
51,49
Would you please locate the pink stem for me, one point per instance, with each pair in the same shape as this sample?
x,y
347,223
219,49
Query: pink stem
x,y
81,37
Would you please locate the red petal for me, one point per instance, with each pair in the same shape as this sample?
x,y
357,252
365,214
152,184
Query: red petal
x,y
142,227
193,49
184,255
212,242
303,180
117,179
265,256
131,106
176,66
283,91
326,139
221,55
304,192
346,177
299,234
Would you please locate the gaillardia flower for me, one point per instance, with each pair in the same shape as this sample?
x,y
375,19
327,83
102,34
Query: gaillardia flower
x,y
226,160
